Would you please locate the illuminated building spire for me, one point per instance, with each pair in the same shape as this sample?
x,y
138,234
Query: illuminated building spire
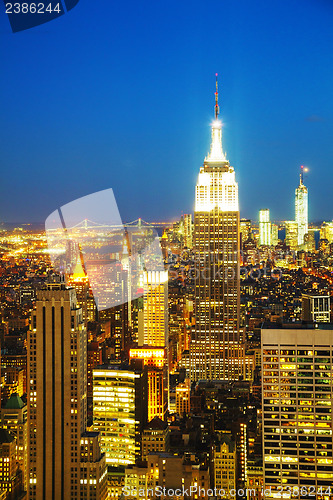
x,y
216,152
217,109
301,208
301,175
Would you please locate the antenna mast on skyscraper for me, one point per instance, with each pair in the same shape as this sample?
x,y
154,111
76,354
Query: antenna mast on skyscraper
x,y
301,174
217,109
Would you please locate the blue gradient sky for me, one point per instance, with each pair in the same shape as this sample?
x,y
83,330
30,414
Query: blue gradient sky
x,y
121,95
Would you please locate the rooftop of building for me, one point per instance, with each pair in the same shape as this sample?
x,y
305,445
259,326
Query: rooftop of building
x,y
14,402
89,434
156,424
300,325
5,437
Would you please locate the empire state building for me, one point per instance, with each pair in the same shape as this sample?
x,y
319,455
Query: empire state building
x,y
215,348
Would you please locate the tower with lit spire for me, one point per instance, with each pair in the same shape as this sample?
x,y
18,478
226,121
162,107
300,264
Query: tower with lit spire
x,y
215,341
301,209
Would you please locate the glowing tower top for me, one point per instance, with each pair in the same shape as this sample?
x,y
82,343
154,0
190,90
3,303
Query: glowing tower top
x,y
216,186
301,209
216,152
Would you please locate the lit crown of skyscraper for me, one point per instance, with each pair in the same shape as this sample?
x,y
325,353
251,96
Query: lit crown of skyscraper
x,y
216,152
216,186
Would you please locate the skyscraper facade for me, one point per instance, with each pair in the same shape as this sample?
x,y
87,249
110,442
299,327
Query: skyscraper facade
x,y
301,210
215,341
264,227
155,309
57,396
297,415
120,411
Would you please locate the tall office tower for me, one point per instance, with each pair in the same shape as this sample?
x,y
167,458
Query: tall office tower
x,y
155,309
57,390
274,235
291,234
154,334
215,343
85,299
297,415
14,419
301,209
188,230
316,308
154,358
94,359
120,410
264,227
115,320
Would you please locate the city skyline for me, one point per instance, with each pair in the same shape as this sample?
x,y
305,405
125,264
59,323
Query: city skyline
x,y
132,117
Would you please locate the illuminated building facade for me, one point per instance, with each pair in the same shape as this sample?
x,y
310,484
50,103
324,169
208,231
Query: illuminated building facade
x,y
84,296
183,394
297,412
291,234
169,471
316,308
215,341
245,229
14,418
155,437
224,456
264,227
120,411
301,210
188,230
10,474
57,390
93,471
155,309
274,235
326,231
154,358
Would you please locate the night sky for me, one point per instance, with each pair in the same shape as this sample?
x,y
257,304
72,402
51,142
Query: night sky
x,y
121,94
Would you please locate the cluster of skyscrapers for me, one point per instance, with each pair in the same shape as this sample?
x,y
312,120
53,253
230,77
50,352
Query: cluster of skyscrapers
x,y
84,416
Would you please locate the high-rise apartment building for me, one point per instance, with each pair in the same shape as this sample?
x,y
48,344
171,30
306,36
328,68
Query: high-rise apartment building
x,y
265,227
297,413
57,390
301,210
215,341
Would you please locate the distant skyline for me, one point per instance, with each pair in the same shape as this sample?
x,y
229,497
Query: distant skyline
x,y
122,95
